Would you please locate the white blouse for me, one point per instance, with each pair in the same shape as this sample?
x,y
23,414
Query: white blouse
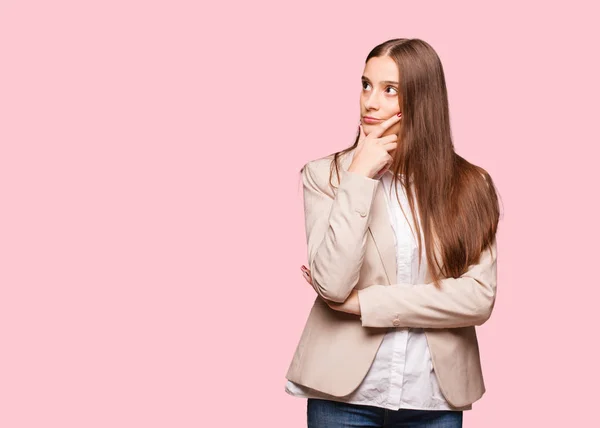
x,y
401,375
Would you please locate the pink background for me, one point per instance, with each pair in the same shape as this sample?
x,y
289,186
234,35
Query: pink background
x,y
151,221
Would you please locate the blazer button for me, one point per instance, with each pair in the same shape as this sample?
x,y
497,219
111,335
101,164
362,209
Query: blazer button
x,y
396,322
362,212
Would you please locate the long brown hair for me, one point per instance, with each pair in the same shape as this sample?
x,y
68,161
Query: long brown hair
x,y
457,200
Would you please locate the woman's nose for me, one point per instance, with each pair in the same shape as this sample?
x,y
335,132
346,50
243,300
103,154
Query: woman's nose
x,y
372,102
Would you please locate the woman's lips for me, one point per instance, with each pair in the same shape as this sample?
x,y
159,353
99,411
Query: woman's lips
x,y
370,120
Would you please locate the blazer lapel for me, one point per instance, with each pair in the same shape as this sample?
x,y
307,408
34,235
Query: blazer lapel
x,y
380,227
383,234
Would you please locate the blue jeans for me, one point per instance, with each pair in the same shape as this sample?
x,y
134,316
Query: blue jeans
x,y
335,414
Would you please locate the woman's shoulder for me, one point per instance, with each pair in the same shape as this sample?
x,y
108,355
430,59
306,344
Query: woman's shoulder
x,y
316,173
321,171
325,162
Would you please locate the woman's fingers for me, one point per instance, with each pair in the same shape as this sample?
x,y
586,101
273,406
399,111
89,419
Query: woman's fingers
x,y
383,126
390,146
306,274
362,132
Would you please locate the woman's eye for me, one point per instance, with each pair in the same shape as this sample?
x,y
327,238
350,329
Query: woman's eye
x,y
364,84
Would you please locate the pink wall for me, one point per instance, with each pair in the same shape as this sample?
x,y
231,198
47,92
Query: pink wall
x,y
151,221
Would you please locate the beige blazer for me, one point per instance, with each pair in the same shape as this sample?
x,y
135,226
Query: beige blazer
x,y
351,246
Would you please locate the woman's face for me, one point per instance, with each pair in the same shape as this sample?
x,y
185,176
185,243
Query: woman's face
x,y
380,97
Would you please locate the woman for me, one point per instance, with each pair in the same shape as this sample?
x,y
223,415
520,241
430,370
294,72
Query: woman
x,y
390,339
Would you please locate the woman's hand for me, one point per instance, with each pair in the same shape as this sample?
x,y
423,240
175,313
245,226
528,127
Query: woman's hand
x,y
351,305
372,157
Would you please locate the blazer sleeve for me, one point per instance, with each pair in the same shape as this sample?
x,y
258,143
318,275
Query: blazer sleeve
x,y
336,228
460,302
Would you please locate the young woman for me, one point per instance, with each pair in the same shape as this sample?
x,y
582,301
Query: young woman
x,y
401,235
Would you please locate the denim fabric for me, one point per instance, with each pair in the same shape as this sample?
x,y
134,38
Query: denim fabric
x,y
335,414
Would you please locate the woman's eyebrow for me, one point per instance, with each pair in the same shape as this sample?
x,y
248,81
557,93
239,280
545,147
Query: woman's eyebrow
x,y
383,81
